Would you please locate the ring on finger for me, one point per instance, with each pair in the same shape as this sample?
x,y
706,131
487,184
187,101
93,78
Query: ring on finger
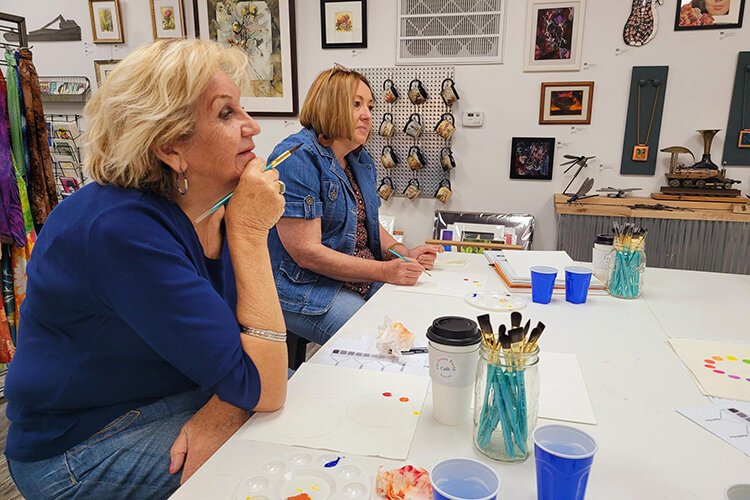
x,y
282,187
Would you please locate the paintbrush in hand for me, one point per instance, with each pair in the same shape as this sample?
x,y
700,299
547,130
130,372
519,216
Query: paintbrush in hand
x,y
275,163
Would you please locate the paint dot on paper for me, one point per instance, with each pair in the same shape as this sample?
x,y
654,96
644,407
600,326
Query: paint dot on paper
x,y
466,279
719,372
417,413
387,394
746,361
332,463
314,487
710,367
717,358
709,361
404,399
731,358
735,377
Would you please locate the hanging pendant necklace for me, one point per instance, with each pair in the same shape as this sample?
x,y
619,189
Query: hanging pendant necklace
x,y
640,150
744,139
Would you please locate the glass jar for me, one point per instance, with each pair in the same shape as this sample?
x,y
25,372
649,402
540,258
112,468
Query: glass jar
x,y
626,270
506,398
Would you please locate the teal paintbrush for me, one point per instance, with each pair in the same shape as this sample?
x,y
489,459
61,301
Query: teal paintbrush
x,y
404,259
283,156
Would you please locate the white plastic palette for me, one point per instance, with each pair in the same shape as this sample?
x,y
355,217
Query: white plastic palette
x,y
495,301
325,476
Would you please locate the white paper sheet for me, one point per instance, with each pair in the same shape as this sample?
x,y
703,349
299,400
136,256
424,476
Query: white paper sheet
x,y
450,283
720,369
348,410
729,421
562,390
523,260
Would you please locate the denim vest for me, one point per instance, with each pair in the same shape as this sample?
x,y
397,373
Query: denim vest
x,y
317,187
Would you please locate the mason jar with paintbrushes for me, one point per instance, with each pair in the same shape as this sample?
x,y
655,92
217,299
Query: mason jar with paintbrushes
x,y
627,261
506,393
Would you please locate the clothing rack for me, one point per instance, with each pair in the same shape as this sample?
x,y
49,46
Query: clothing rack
x,y
10,23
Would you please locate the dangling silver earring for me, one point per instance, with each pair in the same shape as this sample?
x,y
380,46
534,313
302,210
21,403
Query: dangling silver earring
x,y
182,186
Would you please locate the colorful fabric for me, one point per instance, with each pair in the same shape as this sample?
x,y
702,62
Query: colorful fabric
x,y
361,248
14,112
43,195
9,296
11,213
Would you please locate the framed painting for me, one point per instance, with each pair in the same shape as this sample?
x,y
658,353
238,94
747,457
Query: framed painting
x,y
343,24
106,21
566,103
167,19
103,67
554,35
265,31
708,14
532,158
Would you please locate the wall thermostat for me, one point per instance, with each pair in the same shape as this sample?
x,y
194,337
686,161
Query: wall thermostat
x,y
473,119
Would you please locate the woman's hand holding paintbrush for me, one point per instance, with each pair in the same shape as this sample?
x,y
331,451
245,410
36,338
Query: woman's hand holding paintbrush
x,y
401,271
258,205
281,188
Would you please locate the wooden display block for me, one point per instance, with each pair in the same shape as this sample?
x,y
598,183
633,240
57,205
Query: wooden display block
x,y
712,199
718,193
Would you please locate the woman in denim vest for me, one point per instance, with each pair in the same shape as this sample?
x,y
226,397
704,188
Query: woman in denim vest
x,y
329,252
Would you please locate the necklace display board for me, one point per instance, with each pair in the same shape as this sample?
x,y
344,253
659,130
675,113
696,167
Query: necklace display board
x,y
648,89
739,116
431,111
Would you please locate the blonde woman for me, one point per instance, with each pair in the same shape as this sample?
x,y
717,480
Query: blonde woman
x,y
329,252
139,335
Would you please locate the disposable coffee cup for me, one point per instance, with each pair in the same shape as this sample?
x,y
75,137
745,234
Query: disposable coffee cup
x,y
738,492
464,479
563,457
453,347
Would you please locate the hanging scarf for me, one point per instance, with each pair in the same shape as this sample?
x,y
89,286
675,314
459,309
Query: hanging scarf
x,y
9,294
40,176
14,112
11,214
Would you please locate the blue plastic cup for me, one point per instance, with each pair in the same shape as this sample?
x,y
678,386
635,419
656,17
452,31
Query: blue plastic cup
x,y
542,283
464,479
577,281
563,460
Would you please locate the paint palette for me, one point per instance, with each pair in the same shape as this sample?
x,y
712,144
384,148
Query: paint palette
x,y
321,477
495,301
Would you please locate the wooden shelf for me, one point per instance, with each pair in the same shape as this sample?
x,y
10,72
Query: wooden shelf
x,y
736,210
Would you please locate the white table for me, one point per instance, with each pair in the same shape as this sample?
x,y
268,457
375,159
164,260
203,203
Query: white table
x,y
635,382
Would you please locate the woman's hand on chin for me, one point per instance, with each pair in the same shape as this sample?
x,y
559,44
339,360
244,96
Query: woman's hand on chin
x,y
257,203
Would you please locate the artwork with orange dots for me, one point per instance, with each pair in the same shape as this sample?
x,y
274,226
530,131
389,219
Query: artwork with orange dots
x,y
720,369
450,283
364,412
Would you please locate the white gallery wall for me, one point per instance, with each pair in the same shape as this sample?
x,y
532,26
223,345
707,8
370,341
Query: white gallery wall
x,y
701,74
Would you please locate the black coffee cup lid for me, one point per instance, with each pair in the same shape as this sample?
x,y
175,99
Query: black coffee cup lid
x,y
604,239
454,331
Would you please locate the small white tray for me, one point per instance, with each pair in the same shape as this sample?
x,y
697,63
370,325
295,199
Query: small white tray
x,y
495,301
321,476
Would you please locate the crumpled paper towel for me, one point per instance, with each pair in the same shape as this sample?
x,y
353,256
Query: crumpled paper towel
x,y
394,337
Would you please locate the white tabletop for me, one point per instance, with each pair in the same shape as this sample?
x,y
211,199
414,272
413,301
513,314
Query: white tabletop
x,y
634,380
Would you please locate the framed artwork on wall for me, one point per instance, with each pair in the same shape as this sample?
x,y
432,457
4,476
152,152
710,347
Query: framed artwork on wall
x,y
265,31
554,35
103,67
343,24
532,158
167,19
106,21
566,103
708,14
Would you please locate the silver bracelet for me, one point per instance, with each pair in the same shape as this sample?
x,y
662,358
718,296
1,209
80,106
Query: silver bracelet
x,y
263,334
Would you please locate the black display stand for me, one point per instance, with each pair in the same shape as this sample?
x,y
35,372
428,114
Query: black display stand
x,y
734,155
648,91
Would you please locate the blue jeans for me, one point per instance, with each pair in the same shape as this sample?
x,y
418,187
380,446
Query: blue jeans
x,y
321,327
128,458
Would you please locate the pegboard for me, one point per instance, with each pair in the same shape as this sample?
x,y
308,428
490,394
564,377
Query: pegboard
x,y
430,111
